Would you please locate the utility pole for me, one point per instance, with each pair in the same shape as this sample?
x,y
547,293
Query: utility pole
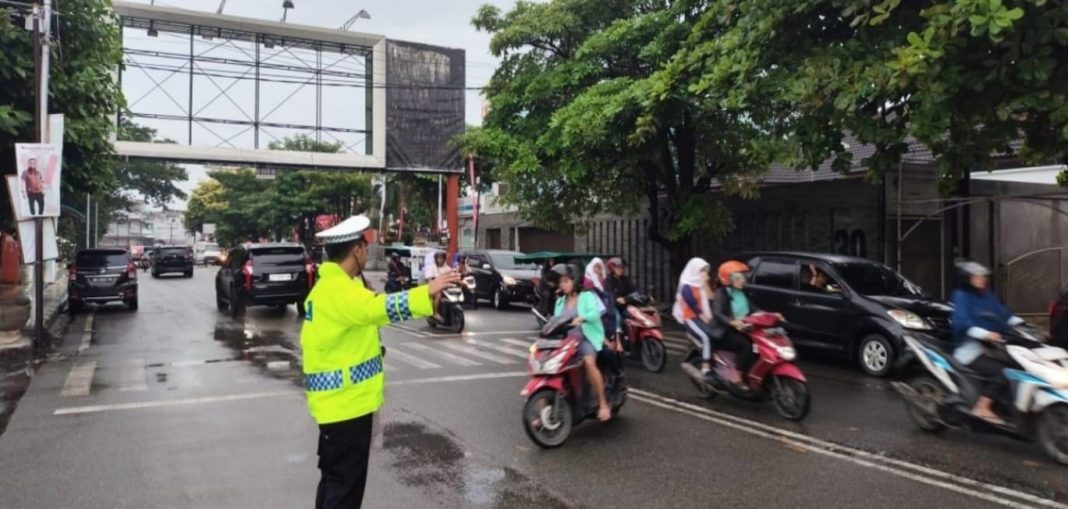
x,y
42,16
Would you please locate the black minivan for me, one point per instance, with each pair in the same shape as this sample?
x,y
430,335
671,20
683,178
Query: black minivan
x,y
276,274
851,306
99,276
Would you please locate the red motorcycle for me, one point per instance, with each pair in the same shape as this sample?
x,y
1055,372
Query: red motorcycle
x,y
773,376
643,341
558,395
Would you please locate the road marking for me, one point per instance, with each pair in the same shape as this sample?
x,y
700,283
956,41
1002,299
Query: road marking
x,y
455,359
389,366
517,342
472,351
900,468
521,353
415,332
170,402
133,376
87,333
459,378
79,379
393,353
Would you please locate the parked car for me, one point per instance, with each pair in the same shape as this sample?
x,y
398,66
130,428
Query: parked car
x,y
1058,319
499,279
172,259
208,253
850,306
100,276
264,275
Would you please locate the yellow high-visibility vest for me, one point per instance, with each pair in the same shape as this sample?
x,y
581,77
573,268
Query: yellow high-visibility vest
x,y
343,372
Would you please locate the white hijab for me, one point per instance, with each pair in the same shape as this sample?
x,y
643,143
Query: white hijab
x,y
592,276
691,276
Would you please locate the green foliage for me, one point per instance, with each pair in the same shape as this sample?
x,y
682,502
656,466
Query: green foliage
x,y
150,182
574,130
82,87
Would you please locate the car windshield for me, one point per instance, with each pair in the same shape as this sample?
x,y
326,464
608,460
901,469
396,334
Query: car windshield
x,y
873,279
209,247
174,251
278,256
109,258
506,261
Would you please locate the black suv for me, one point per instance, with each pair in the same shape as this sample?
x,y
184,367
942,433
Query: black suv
x,y
264,275
100,276
172,259
500,279
852,306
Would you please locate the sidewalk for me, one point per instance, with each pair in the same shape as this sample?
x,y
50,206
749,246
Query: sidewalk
x,y
18,359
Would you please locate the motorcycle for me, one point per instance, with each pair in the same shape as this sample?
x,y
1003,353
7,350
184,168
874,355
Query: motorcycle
x,y
543,305
145,264
451,309
773,375
468,288
643,339
558,395
943,397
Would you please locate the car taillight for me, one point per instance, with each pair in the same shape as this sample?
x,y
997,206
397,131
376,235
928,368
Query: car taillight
x,y
247,270
131,271
309,268
72,272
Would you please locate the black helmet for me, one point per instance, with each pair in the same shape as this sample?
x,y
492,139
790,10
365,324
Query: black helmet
x,y
562,270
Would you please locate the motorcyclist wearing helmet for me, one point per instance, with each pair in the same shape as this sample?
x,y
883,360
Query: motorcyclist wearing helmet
x,y
433,267
693,310
587,308
395,270
978,318
730,306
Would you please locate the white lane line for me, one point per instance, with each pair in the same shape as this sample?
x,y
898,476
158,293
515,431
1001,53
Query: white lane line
x,y
170,402
133,376
79,379
87,333
260,395
518,352
459,378
393,353
904,469
433,350
389,366
525,343
475,352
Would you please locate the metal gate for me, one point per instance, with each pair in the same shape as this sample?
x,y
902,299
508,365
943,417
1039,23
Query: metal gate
x,y
1032,280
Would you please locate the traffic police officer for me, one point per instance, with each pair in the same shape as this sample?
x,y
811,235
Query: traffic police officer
x,y
343,372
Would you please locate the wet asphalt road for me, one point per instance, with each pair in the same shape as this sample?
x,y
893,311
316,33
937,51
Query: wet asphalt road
x,y
177,405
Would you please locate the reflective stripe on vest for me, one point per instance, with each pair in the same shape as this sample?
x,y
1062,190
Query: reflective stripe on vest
x,y
331,380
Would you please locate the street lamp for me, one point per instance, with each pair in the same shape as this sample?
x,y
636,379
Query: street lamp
x,y
286,6
363,14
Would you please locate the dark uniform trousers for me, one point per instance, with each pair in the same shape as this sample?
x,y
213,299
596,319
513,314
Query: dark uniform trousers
x,y
344,448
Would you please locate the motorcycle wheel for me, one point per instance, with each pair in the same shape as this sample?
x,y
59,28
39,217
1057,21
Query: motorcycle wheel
x,y
539,407
1053,432
457,318
924,411
790,397
654,355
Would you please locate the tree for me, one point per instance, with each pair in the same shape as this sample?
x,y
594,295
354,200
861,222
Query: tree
x,y
966,77
151,182
83,88
572,131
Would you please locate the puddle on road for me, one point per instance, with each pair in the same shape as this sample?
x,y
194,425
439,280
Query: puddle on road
x,y
434,462
270,350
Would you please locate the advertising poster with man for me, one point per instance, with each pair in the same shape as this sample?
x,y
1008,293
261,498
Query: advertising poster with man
x,y
38,180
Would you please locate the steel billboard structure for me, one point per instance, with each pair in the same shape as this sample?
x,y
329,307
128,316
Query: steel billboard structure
x,y
228,90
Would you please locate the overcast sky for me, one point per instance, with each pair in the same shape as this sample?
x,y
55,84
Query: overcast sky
x,y
444,23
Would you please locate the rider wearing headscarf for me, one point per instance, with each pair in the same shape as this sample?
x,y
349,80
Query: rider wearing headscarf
x,y
433,266
594,283
692,309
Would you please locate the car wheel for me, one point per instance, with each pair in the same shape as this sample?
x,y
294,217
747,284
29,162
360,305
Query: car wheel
x,y
220,303
499,300
73,307
189,274
876,355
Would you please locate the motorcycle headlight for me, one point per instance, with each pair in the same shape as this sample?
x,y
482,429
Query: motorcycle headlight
x,y
908,319
786,352
549,366
508,280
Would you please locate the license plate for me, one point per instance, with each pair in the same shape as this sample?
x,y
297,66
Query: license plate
x,y
280,277
102,281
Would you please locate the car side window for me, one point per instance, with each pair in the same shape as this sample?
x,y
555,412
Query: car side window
x,y
476,260
815,278
777,274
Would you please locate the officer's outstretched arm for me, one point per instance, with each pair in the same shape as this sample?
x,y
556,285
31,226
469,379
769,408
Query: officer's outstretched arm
x,y
367,308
